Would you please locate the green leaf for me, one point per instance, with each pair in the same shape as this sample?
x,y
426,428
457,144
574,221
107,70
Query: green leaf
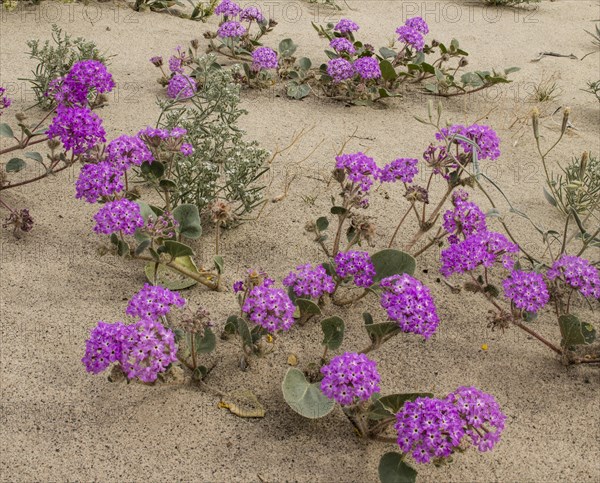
x,y
575,332
333,331
549,198
122,248
390,262
387,53
169,278
219,263
297,91
308,307
142,246
304,63
188,218
338,210
6,131
287,47
167,185
205,344
393,469
35,156
243,331
388,406
177,249
303,397
380,330
15,165
322,223
155,169
387,70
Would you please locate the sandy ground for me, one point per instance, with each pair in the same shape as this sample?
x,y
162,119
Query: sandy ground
x,y
59,423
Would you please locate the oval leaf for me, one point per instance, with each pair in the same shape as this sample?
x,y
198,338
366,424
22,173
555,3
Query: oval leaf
x,y
393,469
307,307
575,332
304,398
333,331
169,278
177,249
205,344
15,165
188,218
392,262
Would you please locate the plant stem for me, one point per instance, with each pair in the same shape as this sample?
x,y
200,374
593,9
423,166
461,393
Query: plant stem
x,y
205,278
400,224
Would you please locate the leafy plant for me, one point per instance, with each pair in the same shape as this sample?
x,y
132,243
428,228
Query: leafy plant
x,y
55,58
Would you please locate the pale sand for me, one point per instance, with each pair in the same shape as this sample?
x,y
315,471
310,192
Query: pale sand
x,y
60,423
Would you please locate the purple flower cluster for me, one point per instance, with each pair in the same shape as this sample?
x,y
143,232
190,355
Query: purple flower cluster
x,y
577,272
465,219
5,102
481,412
231,29
526,290
355,264
409,303
359,168
152,302
418,24
401,169
309,282
143,349
350,378
227,8
340,70
73,89
176,64
484,248
78,128
345,26
486,139
187,149
98,180
341,44
125,151
264,58
411,37
120,215
181,86
367,68
269,307
431,428
252,14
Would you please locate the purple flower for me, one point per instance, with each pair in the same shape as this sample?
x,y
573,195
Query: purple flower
x,y
418,24
350,378
341,44
409,303
125,151
227,8
402,169
309,282
252,13
175,65
152,302
78,128
84,76
411,36
484,248
340,70
345,26
577,272
355,264
5,102
431,428
181,86
359,168
148,350
465,219
484,137
238,286
187,149
526,290
480,413
264,58
104,346
367,68
121,215
231,29
157,60
98,180
269,307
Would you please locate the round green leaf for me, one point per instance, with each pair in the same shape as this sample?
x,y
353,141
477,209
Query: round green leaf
x,y
575,332
304,398
170,278
188,217
15,165
205,344
390,262
177,249
333,331
6,131
393,469
307,307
